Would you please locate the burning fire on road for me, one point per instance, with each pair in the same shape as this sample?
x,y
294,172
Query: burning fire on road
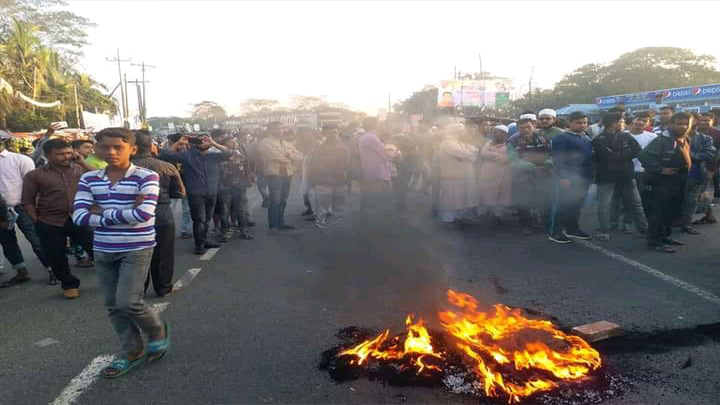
x,y
500,353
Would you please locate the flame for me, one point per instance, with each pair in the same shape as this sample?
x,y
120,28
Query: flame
x,y
417,346
501,343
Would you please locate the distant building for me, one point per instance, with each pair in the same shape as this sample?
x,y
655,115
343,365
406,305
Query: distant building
x,y
690,99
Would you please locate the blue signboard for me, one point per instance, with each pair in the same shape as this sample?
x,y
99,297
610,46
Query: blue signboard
x,y
681,94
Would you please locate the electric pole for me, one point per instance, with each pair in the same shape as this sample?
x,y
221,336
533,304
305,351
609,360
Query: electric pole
x,y
141,97
144,95
123,102
532,71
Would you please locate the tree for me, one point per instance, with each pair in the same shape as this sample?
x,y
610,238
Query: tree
x,y
254,106
300,103
207,112
40,72
422,102
60,29
645,69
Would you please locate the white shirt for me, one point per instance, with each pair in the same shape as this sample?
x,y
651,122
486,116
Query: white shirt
x,y
13,168
644,140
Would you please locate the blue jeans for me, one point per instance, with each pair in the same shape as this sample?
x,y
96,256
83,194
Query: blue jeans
x,y
122,278
279,190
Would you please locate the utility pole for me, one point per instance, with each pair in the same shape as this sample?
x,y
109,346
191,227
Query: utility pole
x,y
532,71
144,95
141,97
127,102
123,101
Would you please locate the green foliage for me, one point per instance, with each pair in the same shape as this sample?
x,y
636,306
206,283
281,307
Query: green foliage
x,y
27,121
422,102
645,69
58,28
32,66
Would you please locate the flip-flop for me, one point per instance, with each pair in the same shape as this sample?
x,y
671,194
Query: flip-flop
x,y
157,349
123,366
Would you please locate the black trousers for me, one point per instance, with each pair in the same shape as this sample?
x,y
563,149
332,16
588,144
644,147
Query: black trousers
x,y
54,240
11,249
568,204
162,264
202,208
666,200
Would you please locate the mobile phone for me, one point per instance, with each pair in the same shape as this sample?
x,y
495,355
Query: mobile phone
x,y
195,141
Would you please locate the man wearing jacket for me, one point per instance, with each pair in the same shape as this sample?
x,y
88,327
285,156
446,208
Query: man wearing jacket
x,y
573,171
702,153
614,151
529,155
667,161
279,159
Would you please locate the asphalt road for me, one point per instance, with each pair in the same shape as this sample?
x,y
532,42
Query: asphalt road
x,y
251,325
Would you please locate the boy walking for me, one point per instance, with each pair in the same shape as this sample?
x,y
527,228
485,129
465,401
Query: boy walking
x,y
120,202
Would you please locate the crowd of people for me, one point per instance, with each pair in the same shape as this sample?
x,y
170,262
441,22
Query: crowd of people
x,y
655,177
110,200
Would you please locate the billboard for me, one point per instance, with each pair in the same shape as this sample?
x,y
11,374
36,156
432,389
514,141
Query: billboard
x,y
670,95
474,93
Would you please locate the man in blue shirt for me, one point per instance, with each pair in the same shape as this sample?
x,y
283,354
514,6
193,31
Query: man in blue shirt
x,y
573,170
201,174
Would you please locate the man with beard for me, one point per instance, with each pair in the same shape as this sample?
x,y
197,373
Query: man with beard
x,y
48,196
547,119
667,161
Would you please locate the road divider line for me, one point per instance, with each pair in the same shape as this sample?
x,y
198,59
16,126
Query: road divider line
x,y
209,254
87,377
654,272
187,278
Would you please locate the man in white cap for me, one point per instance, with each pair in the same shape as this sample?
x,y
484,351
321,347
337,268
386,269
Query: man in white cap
x,y
527,115
547,119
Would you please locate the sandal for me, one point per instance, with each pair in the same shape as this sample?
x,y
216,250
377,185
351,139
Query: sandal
x,y
157,349
120,367
662,249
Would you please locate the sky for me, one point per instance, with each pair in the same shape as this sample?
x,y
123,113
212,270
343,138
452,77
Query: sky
x,y
360,53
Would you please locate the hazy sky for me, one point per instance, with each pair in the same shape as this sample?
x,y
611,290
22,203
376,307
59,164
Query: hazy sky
x,y
358,52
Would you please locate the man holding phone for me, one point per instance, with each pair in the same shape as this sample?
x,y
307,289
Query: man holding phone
x,y
201,173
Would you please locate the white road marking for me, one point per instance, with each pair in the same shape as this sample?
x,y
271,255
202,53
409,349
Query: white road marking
x,y
160,306
82,381
46,342
654,272
91,373
209,254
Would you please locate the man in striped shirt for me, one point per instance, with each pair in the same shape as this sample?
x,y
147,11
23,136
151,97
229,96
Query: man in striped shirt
x,y
120,202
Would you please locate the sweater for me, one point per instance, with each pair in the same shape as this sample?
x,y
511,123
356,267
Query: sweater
x,y
572,156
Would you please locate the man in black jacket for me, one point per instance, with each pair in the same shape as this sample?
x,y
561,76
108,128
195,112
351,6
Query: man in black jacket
x,y
614,151
666,161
